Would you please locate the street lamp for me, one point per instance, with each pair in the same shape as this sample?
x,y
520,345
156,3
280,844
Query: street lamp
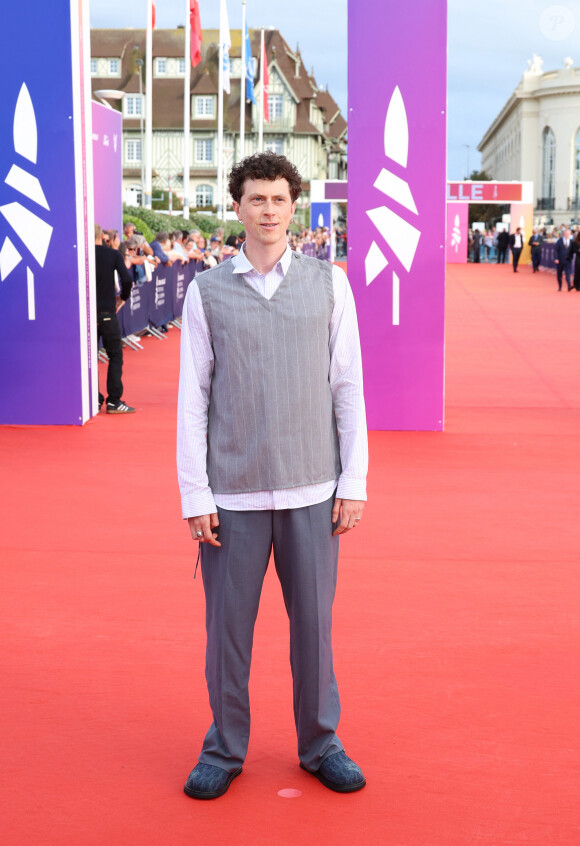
x,y
467,171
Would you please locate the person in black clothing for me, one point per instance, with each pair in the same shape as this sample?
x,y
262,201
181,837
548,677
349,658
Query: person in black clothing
x,y
503,240
574,250
476,246
562,258
107,261
516,246
535,243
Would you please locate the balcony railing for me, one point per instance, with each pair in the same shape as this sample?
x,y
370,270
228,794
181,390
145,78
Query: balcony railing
x,y
574,203
545,204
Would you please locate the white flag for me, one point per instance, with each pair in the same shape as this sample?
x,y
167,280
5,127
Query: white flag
x,y
225,44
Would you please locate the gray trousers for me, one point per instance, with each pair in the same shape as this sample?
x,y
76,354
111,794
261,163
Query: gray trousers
x,y
306,559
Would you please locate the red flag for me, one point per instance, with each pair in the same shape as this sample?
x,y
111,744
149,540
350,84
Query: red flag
x,y
153,15
266,83
195,22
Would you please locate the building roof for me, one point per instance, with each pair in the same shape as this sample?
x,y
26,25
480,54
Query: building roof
x,y
129,46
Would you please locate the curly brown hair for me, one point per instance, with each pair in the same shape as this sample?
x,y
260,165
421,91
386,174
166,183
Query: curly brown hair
x,y
266,165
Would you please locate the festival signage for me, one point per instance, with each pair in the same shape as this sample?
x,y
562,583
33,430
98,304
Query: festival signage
x,y
321,215
485,192
108,166
457,239
47,353
396,207
182,276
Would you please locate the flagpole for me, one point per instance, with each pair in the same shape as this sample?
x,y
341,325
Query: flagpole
x,y
243,85
261,120
186,110
220,150
149,106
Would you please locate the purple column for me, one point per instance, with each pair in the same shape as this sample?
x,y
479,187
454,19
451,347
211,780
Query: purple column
x,y
108,167
396,207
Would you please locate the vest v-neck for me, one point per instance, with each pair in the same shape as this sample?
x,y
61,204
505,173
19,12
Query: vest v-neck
x,y
283,284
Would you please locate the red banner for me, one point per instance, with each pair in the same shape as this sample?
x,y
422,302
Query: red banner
x,y
485,192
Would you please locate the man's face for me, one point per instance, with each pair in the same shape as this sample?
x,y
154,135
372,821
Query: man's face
x,y
266,210
566,233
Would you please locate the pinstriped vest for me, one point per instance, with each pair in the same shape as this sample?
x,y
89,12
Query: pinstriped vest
x,y
271,422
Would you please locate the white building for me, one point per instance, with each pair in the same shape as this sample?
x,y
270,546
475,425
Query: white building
x,y
536,137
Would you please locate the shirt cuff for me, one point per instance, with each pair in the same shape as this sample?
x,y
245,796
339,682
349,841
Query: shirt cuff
x,y
195,505
352,489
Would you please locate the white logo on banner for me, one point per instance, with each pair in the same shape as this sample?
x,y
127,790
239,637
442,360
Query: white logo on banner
x,y
456,234
401,236
32,230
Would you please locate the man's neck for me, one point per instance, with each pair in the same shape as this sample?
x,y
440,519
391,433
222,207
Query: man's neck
x,y
264,257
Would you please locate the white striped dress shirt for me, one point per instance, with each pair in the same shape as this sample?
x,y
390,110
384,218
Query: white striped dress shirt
x,y
194,391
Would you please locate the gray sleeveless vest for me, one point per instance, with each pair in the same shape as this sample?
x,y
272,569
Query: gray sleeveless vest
x,y
271,422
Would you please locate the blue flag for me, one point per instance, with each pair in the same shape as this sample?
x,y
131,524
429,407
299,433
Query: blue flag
x,y
249,70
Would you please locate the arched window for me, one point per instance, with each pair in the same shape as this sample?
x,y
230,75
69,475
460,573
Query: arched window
x,y
204,195
576,198
548,164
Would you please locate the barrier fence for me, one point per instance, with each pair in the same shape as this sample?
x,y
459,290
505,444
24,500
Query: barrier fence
x,y
158,302
548,253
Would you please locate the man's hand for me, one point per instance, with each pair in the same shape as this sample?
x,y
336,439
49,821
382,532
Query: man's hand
x,y
119,303
204,524
350,511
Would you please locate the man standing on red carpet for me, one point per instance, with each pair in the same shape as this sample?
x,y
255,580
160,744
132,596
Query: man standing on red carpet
x,y
272,454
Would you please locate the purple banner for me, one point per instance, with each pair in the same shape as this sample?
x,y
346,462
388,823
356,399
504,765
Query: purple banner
x,y
181,279
457,233
134,316
45,168
336,190
396,207
107,166
161,304
321,215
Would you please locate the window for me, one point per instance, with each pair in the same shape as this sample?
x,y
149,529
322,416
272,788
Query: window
x,y
274,145
548,162
204,150
160,67
133,105
133,150
204,195
204,107
181,67
93,67
114,67
275,106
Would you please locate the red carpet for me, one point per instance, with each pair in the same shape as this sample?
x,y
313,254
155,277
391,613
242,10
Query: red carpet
x,y
457,625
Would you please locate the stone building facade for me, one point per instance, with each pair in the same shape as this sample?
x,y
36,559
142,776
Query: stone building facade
x,y
536,137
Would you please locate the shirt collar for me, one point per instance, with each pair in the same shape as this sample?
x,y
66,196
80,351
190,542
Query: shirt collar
x,y
243,265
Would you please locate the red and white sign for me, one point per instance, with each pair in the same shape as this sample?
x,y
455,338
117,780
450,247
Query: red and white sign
x,y
485,192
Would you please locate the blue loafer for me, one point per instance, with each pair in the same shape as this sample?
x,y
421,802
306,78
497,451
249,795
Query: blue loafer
x,y
338,772
208,782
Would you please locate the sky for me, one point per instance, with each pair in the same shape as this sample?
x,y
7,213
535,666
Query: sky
x,y
489,45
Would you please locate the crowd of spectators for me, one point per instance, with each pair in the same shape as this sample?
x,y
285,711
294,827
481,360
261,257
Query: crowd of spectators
x,y
492,245
167,248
